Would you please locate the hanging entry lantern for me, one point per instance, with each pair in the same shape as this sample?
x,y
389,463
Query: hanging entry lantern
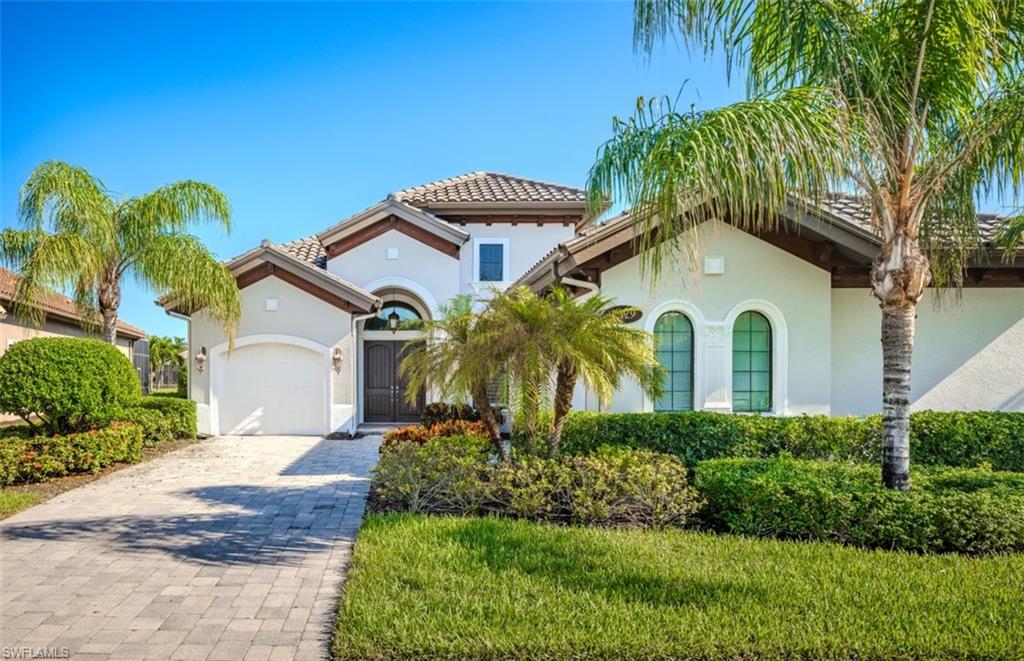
x,y
393,318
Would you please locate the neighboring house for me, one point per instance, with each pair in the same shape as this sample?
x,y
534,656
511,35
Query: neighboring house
x,y
62,319
781,323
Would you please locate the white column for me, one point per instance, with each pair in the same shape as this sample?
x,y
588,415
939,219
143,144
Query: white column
x,y
717,361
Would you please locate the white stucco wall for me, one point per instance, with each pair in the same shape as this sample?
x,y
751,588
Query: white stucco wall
x,y
527,244
417,263
762,277
968,353
299,315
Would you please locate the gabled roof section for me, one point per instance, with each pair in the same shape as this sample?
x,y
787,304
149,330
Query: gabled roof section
x,y
834,234
271,260
392,214
57,304
492,188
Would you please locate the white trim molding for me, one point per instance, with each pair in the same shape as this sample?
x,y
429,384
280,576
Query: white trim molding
x,y
780,350
216,376
700,361
410,286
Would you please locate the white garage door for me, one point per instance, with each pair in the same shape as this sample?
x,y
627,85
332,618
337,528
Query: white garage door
x,y
271,389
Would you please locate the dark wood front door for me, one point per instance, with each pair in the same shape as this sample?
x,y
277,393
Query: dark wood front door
x,y
384,386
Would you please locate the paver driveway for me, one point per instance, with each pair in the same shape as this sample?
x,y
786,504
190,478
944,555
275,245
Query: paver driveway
x,y
230,549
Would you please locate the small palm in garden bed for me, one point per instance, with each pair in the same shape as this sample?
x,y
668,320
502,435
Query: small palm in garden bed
x,y
420,434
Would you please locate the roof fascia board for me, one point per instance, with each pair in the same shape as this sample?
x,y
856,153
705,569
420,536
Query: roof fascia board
x,y
389,207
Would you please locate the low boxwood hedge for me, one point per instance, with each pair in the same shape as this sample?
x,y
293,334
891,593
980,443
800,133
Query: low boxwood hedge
x,y
181,414
964,510
936,438
156,425
39,458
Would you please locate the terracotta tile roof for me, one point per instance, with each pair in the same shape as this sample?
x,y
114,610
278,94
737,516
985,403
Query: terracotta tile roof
x,y
490,187
308,250
57,304
854,209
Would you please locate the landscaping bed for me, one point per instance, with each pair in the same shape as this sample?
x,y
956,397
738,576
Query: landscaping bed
x,y
444,587
15,498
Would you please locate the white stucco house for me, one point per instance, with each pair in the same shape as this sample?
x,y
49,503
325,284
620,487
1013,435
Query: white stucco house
x,y
780,323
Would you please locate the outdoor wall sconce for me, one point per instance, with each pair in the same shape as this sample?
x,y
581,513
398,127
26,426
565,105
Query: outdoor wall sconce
x,y
336,360
3,312
201,360
393,321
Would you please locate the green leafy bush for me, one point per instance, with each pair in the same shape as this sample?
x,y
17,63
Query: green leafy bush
x,y
156,427
180,413
182,389
438,412
936,438
964,510
68,384
40,458
453,475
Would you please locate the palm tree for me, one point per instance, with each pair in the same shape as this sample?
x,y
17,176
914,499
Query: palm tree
x,y
916,105
589,340
163,351
457,362
79,238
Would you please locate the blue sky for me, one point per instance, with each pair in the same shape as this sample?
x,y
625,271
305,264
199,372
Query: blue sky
x,y
306,113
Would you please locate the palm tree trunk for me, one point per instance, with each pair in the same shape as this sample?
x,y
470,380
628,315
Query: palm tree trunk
x,y
897,347
109,300
489,419
565,384
899,276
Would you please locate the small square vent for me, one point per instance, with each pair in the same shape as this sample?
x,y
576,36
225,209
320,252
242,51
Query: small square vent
x,y
714,265
392,253
271,304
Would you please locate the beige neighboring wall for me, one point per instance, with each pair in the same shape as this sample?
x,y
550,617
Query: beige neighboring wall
x,y
13,330
299,314
755,271
968,352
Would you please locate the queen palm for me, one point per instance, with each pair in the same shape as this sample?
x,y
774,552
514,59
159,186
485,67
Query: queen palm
x,y
79,238
918,106
589,341
456,361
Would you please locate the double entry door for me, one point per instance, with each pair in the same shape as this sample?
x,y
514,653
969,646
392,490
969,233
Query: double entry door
x,y
384,388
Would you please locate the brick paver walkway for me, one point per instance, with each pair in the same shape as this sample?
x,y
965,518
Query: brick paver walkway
x,y
232,549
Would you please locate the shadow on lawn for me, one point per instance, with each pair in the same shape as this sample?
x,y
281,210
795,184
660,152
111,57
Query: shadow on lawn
x,y
584,565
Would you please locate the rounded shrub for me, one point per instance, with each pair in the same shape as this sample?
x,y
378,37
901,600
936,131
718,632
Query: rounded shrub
x,y
156,427
69,384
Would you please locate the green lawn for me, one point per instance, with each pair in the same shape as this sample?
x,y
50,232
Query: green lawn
x,y
485,588
12,500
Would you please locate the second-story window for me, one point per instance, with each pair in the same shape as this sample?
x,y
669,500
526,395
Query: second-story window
x,y
491,261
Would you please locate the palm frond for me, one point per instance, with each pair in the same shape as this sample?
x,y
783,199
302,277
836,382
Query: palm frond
x,y
65,198
736,163
180,268
167,210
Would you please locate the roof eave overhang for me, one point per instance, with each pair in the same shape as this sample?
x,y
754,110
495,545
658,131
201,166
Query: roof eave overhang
x,y
390,207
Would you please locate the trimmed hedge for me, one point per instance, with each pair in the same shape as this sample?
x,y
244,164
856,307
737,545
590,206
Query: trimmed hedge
x,y
936,438
70,384
454,475
963,510
39,458
180,413
156,426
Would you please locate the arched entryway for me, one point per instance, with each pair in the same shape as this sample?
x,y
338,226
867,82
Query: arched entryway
x,y
384,340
